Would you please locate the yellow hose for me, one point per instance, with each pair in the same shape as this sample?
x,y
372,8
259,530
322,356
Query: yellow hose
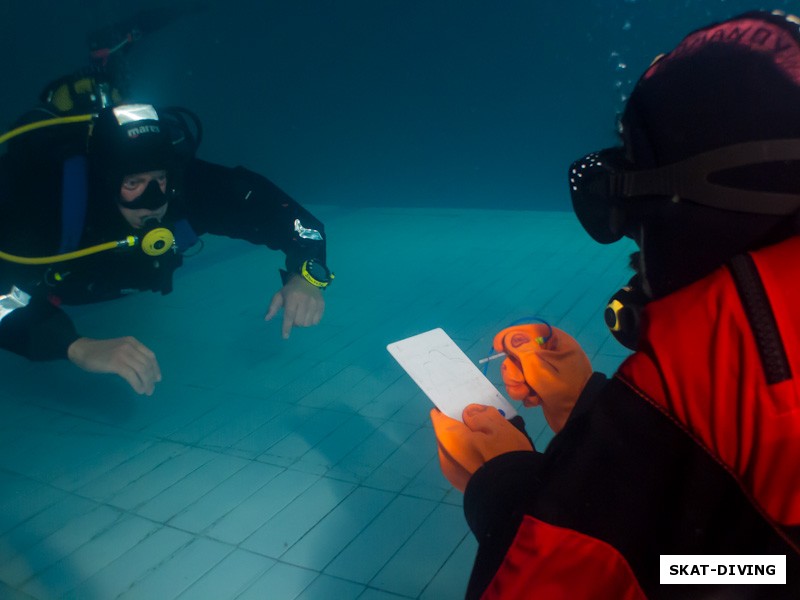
x,y
46,123
130,241
157,241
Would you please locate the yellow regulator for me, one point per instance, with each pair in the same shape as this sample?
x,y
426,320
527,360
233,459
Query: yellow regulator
x,y
157,241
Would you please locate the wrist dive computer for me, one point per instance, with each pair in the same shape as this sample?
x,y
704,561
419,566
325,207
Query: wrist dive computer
x,y
316,273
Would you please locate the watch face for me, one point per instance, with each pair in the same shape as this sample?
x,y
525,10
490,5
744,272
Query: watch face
x,y
317,271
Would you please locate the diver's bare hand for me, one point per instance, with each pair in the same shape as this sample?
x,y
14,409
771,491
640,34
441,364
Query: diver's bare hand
x,y
302,305
125,356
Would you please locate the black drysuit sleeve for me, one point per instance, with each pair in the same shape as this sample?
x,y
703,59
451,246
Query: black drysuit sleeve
x,y
232,202
241,204
38,331
498,492
30,226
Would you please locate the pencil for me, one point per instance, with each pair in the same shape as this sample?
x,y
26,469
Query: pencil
x,y
492,357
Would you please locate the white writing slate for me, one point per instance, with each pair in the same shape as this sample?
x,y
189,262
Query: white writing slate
x,y
446,375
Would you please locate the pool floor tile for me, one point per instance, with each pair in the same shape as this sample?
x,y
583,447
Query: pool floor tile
x,y
267,468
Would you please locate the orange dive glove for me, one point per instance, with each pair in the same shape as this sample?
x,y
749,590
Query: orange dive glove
x,y
464,447
551,373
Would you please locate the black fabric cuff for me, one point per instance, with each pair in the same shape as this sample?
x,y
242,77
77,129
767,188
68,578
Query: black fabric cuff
x,y
285,276
39,332
494,489
294,263
589,394
51,339
518,422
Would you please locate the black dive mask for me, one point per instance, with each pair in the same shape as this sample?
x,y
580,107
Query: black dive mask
x,y
623,313
152,198
604,184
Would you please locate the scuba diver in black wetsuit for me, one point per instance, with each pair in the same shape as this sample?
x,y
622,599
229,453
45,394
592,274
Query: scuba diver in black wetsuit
x,y
101,198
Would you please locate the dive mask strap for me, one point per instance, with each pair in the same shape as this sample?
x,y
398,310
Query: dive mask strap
x,y
689,178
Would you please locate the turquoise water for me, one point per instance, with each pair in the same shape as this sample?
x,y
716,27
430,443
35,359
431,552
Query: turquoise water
x,y
432,139
265,468
390,102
